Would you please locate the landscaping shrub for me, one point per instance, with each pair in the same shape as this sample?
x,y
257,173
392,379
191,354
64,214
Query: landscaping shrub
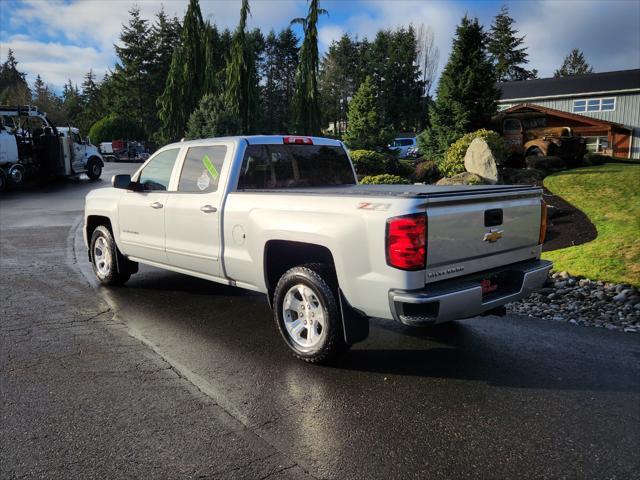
x,y
368,162
453,162
426,172
384,179
115,127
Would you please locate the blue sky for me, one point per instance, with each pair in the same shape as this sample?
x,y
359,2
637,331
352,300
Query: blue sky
x,y
64,39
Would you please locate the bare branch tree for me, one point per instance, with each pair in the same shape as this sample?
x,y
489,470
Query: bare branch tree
x,y
428,55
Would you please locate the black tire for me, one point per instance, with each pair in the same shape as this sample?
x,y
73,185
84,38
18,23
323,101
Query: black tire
x,y
3,181
106,273
321,280
94,169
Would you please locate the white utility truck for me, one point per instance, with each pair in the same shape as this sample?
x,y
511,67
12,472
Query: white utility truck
x,y
32,147
285,216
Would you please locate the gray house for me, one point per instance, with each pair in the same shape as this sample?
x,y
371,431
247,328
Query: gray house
x,y
602,107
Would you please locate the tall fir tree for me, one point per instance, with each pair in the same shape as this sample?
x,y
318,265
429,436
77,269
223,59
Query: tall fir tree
x,y
573,64
339,80
307,96
394,66
507,51
367,128
279,73
185,79
14,89
132,71
72,103
466,96
164,38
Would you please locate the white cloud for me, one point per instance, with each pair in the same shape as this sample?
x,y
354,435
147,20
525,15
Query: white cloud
x,y
56,62
328,34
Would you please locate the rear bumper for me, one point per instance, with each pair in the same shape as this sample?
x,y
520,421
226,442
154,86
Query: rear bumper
x,y
462,297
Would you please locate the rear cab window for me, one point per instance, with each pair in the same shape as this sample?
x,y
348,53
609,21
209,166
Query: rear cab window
x,y
274,166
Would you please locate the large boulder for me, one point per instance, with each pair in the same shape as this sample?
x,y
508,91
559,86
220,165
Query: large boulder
x,y
480,160
464,178
548,164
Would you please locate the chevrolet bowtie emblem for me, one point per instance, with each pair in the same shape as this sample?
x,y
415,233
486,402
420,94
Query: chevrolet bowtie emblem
x,y
492,236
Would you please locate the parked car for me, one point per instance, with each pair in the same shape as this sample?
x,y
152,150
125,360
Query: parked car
x,y
402,146
285,216
33,147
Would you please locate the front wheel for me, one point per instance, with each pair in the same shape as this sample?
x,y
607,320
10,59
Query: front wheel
x,y
94,169
104,258
307,313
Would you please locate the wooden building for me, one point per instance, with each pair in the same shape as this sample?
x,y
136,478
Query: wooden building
x,y
602,107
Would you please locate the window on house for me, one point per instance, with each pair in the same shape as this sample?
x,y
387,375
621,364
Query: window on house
x,y
596,144
594,105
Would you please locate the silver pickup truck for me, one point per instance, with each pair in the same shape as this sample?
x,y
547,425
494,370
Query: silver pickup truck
x,y
285,216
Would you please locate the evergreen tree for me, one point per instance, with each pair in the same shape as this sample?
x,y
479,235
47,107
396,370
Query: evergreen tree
x,y
506,49
92,106
164,38
214,60
14,89
184,84
574,64
131,74
367,128
307,97
279,73
213,118
48,102
339,79
394,66
466,94
72,104
241,76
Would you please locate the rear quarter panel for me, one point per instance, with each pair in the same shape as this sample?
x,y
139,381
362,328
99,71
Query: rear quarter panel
x,y
355,236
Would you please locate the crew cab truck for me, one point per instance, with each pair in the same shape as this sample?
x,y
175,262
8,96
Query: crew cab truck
x,y
33,147
285,216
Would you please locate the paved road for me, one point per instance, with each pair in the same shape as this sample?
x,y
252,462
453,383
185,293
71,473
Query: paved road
x,y
489,397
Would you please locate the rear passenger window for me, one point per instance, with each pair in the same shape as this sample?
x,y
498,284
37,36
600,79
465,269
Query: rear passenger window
x,y
157,173
201,169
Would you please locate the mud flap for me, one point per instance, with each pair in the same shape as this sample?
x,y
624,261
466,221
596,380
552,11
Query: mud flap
x,y
355,324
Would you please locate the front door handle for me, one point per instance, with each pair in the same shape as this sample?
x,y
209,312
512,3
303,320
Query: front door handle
x,y
208,209
156,205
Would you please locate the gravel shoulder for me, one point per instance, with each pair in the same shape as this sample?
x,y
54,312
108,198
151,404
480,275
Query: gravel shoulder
x,y
83,399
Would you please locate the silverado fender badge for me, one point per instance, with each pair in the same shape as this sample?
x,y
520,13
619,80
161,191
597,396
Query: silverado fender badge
x,y
493,235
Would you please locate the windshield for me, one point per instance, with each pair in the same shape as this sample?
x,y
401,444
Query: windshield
x,y
294,166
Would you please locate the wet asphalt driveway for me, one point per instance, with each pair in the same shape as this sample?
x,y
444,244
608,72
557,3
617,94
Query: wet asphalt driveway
x,y
482,398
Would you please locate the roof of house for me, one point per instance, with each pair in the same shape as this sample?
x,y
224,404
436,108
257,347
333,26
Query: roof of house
x,y
527,107
569,86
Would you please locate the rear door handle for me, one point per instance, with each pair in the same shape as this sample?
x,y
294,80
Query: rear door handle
x,y
156,205
208,209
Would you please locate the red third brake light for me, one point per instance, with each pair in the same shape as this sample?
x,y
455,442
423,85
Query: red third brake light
x,y
298,140
406,242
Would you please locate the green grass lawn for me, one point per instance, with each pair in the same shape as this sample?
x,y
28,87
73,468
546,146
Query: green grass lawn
x,y
610,196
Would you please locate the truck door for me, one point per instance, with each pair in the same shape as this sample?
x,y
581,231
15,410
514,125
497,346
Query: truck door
x,y
142,214
192,214
79,160
512,132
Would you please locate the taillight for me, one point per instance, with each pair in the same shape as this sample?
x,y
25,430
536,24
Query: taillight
x,y
406,241
298,140
543,221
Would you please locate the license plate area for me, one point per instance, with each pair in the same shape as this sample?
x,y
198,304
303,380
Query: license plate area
x,y
501,284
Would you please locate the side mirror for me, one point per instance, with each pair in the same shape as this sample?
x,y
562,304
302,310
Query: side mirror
x,y
122,181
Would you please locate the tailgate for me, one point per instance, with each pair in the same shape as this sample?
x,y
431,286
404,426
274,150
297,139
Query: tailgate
x,y
479,232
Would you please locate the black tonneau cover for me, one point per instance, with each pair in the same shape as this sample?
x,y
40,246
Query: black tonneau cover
x,y
405,191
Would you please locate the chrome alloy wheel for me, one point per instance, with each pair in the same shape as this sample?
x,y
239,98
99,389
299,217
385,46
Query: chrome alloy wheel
x,y
102,257
304,317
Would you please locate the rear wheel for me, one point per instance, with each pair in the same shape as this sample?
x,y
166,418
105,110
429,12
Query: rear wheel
x,y
104,258
307,313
